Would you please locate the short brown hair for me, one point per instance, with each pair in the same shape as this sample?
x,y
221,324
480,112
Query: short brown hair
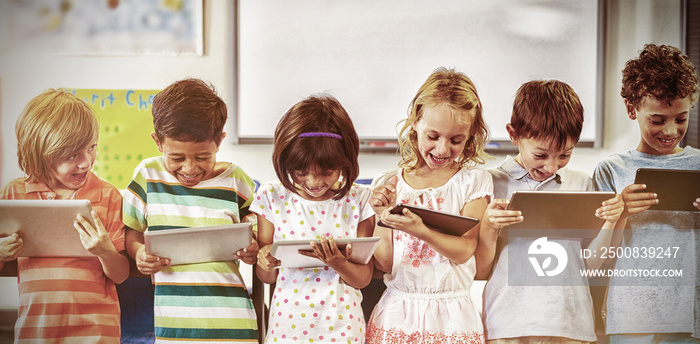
x,y
189,110
547,110
660,71
456,90
318,113
53,125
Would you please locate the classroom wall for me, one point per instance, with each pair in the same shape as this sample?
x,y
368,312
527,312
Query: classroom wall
x,y
630,24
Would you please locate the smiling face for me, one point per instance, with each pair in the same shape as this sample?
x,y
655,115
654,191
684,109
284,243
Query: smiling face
x,y
70,172
315,184
662,125
190,162
441,139
542,158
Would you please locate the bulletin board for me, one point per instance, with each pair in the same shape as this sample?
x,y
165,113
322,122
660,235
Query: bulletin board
x,y
126,125
373,55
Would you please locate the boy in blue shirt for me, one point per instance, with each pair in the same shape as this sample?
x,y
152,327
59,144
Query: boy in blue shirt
x,y
659,89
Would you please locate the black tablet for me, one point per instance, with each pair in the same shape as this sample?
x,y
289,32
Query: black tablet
x,y
566,214
676,189
438,221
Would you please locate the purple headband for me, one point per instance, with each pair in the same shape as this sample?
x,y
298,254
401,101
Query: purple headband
x,y
320,134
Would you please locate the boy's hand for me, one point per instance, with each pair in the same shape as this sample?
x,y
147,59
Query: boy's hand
x,y
249,255
95,240
10,247
384,196
265,260
498,216
637,202
148,264
612,209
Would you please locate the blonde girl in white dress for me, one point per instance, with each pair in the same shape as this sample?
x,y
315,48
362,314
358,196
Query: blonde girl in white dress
x,y
429,274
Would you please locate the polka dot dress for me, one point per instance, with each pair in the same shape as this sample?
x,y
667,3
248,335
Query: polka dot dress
x,y
313,305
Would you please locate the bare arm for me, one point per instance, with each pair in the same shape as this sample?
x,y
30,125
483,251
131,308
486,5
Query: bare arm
x,y
634,203
495,218
264,269
383,197
457,249
611,211
98,242
147,264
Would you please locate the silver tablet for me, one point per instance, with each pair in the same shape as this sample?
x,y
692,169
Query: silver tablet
x,y
199,244
567,214
287,251
46,226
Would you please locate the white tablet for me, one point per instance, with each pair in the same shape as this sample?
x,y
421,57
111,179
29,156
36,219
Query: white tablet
x,y
199,244
46,226
566,214
287,251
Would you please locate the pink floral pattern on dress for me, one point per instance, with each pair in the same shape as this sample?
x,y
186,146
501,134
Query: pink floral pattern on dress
x,y
416,251
397,336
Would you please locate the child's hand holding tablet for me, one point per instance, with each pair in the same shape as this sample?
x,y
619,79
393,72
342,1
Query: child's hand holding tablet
x,y
438,221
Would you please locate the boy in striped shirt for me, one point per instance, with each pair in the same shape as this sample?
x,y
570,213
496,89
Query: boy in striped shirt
x,y
188,187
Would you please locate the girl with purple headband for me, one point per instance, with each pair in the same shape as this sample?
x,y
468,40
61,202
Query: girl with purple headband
x,y
315,158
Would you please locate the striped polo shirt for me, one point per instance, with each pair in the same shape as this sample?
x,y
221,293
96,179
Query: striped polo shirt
x,y
194,303
69,300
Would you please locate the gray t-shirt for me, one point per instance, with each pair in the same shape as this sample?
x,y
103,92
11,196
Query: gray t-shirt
x,y
529,310
653,305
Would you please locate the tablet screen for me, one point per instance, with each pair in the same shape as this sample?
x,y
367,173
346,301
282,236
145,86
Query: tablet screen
x,y
675,189
558,213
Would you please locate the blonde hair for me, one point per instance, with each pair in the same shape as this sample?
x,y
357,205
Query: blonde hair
x,y
53,125
456,90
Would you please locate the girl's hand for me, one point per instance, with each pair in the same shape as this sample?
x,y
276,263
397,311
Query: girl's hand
x,y
697,203
384,196
328,252
95,240
612,209
265,260
148,264
407,221
249,255
10,247
637,202
498,216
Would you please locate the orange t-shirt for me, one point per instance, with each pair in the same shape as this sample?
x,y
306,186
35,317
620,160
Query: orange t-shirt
x,y
69,298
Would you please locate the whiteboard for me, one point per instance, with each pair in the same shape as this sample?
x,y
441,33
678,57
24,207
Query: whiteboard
x,y
373,55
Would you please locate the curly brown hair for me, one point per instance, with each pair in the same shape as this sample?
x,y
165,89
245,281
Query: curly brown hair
x,y
661,71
